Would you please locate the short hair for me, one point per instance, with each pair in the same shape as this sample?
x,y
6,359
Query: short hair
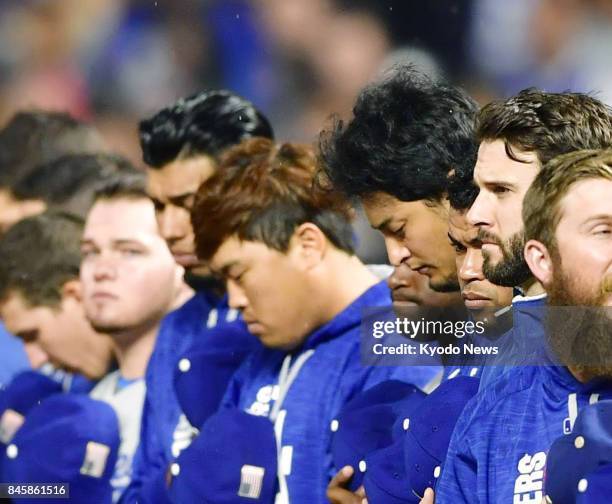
x,y
203,124
38,255
407,133
120,186
263,192
35,137
542,204
547,124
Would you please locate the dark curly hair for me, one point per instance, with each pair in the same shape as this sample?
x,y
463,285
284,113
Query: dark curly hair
x,y
407,133
205,123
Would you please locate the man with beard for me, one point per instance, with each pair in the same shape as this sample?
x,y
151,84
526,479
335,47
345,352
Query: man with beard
x,y
499,446
130,281
517,137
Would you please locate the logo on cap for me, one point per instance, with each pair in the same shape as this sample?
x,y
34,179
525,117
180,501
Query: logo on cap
x,y
251,480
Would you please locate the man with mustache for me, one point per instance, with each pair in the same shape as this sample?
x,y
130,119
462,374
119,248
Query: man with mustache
x,y
499,446
517,137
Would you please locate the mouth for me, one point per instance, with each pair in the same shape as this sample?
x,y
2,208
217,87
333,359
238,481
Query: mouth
x,y
186,260
475,301
404,296
103,296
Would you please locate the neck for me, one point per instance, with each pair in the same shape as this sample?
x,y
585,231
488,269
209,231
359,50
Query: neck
x,y
133,349
532,288
350,279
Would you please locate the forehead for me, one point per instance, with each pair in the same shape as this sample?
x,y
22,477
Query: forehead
x,y
586,199
380,207
234,251
16,311
179,177
121,218
493,164
460,228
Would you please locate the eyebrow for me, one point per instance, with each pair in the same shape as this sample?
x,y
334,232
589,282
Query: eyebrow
x,y
120,241
224,271
474,242
384,224
595,218
454,241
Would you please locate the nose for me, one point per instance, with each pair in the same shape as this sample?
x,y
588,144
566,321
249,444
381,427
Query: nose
x,y
479,213
236,296
36,355
174,223
104,268
471,269
397,251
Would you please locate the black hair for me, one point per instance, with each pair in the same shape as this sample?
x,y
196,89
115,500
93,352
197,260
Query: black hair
x,y
38,255
462,190
407,133
203,124
32,138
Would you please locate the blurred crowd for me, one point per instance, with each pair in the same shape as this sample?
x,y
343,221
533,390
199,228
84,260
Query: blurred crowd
x,y
114,61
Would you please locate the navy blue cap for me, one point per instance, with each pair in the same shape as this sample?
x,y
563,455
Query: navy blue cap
x,y
596,486
430,430
233,460
202,374
573,456
23,393
67,438
365,424
385,479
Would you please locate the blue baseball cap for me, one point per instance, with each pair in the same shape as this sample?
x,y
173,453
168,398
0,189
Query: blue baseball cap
x,y
385,479
67,438
202,374
365,424
23,393
595,486
233,460
430,430
573,456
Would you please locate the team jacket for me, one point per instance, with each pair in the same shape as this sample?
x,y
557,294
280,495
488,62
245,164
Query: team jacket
x,y
524,342
498,450
165,430
303,391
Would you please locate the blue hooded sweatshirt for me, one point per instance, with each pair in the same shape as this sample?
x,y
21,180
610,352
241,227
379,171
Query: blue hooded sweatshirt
x,y
165,431
498,450
303,391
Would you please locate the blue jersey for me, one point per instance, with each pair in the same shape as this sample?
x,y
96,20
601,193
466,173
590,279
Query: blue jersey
x,y
302,393
13,358
523,343
498,450
165,430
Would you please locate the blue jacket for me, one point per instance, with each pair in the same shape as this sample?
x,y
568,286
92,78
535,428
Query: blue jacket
x,y
498,450
315,381
13,358
521,345
165,430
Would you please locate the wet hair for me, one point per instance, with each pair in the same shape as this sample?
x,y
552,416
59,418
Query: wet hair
x,y
203,124
407,133
548,124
